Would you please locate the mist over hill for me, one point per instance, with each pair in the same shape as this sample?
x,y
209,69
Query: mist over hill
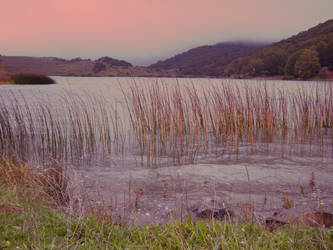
x,y
303,56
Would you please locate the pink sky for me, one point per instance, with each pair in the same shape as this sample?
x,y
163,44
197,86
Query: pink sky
x,y
142,31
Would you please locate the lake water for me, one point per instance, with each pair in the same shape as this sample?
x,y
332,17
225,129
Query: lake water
x,y
87,125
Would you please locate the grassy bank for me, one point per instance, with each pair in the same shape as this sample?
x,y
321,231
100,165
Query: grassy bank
x,y
31,216
28,223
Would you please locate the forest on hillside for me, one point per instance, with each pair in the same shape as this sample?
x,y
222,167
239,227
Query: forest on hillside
x,y
307,54
301,56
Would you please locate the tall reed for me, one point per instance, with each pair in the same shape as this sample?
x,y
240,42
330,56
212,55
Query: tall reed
x,y
166,122
182,121
81,128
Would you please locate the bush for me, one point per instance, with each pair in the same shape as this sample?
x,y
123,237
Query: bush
x,y
323,73
307,64
289,69
28,78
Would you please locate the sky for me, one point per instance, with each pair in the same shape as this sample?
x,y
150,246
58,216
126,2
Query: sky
x,y
144,31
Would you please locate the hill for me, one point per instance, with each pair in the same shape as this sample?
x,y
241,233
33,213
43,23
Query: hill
x,y
303,55
59,66
307,54
53,66
207,60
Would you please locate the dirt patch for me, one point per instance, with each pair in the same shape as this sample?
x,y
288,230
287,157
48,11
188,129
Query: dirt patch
x,y
293,216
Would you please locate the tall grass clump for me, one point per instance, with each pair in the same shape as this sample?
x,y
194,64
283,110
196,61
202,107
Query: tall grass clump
x,y
77,129
183,121
29,78
50,180
168,122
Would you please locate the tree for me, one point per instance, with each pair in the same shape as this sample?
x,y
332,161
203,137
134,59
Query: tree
x,y
234,67
255,66
323,53
289,69
274,60
330,53
307,64
323,73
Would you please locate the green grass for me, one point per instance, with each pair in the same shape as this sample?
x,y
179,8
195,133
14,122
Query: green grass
x,y
34,224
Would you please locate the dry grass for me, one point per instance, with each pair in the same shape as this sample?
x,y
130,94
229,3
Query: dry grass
x,y
50,181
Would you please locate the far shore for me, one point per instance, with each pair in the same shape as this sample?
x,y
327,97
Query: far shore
x,y
7,80
276,77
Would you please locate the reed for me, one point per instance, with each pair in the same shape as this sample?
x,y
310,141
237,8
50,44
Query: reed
x,y
183,121
78,130
167,123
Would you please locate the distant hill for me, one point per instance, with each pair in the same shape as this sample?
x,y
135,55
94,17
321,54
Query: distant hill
x,y
303,55
207,60
53,66
59,66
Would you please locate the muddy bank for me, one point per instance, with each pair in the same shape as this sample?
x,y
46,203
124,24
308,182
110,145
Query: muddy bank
x,y
259,185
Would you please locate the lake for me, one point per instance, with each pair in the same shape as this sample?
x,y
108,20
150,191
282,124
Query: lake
x,y
249,143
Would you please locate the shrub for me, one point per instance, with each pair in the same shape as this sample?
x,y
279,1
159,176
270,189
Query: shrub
x,y
289,69
323,73
307,64
29,78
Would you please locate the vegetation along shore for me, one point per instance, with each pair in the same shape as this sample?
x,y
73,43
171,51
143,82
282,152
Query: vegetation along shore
x,y
36,212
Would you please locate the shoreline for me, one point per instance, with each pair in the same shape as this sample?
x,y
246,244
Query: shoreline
x,y
264,78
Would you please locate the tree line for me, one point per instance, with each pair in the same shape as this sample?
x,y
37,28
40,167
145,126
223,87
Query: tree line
x,y
302,56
